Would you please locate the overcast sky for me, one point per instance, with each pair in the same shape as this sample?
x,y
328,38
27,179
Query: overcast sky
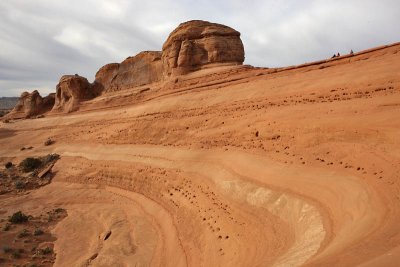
x,y
40,40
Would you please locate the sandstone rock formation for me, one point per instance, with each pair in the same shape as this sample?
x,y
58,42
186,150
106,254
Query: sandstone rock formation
x,y
197,43
144,68
70,91
105,76
31,104
193,45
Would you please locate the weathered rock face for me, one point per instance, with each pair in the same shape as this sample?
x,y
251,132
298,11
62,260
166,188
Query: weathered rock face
x,y
70,91
31,104
191,46
105,76
144,68
197,43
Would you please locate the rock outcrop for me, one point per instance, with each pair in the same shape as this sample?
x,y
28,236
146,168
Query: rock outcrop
x,y
70,91
193,45
105,76
31,104
197,43
144,68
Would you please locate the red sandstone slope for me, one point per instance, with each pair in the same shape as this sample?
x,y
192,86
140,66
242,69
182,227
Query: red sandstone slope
x,y
229,166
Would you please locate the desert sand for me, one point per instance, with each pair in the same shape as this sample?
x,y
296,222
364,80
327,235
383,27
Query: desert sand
x,y
227,166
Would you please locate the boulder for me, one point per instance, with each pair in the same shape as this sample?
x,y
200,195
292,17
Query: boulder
x,y
70,91
31,104
197,44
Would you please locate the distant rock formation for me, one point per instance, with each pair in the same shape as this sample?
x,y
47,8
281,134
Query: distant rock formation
x,y
70,91
8,102
144,68
193,45
31,104
197,43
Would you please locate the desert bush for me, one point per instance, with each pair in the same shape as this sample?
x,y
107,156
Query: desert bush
x,y
23,233
50,158
46,251
6,227
18,217
7,249
38,232
19,185
30,164
16,255
8,165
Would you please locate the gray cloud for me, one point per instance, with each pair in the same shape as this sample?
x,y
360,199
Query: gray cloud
x,y
41,40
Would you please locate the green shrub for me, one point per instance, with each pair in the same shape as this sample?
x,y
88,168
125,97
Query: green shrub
x,y
18,217
30,164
